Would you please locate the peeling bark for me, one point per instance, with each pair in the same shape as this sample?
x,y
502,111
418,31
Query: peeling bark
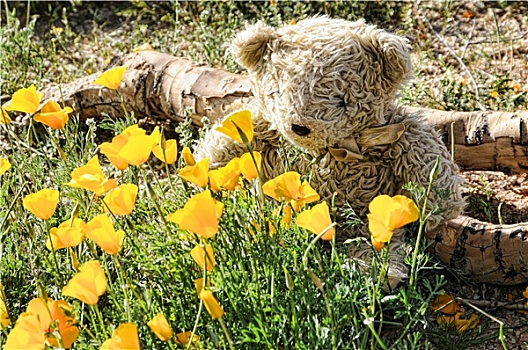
x,y
483,251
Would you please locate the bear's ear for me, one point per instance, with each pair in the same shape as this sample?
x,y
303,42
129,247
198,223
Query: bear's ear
x,y
250,45
395,59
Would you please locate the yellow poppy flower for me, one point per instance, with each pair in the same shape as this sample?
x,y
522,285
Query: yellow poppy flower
x,y
226,177
247,165
167,154
160,327
137,149
241,120
316,220
188,157
4,117
125,337
111,79
101,230
128,149
4,165
197,174
91,177
4,315
458,322
53,115
55,312
27,334
184,338
199,254
88,284
288,188
200,215
69,234
198,284
42,204
121,200
388,214
446,304
113,149
25,100
211,304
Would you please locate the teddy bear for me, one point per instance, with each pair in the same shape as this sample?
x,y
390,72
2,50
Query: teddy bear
x,y
328,87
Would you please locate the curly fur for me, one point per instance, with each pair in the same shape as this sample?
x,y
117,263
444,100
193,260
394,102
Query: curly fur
x,y
338,78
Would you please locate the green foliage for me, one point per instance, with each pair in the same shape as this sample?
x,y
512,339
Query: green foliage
x,y
271,297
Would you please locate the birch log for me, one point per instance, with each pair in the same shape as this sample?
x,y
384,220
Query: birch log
x,y
160,86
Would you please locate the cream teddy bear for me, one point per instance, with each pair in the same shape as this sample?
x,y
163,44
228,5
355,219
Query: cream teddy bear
x,y
328,87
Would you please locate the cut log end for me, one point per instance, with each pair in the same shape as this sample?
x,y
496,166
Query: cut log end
x,y
484,252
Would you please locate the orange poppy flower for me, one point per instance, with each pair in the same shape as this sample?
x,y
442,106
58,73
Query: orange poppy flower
x,y
56,311
184,338
4,117
125,337
188,157
238,126
91,178
132,146
69,234
121,200
43,203
4,315
197,174
446,304
247,165
226,177
200,215
204,257
53,115
88,284
316,220
27,334
288,188
160,327
25,100
111,79
101,230
388,214
4,165
211,304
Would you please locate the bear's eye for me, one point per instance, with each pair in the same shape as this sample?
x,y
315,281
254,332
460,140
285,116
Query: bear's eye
x,y
341,102
300,130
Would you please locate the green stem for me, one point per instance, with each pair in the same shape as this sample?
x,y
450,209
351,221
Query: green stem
x,y
370,325
423,218
99,317
120,276
224,328
53,254
312,243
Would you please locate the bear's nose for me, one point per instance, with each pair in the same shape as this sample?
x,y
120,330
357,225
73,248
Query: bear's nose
x,y
300,130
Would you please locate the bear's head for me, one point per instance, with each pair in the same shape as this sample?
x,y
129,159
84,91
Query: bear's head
x,y
323,80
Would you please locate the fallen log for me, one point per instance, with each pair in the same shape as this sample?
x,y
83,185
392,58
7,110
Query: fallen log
x,y
160,86
483,251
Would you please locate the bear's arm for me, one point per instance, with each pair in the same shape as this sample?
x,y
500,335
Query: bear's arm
x,y
420,147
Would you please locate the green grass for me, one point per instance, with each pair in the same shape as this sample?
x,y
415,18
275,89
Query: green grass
x,y
269,294
272,299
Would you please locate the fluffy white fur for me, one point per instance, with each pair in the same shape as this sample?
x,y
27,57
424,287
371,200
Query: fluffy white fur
x,y
324,81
